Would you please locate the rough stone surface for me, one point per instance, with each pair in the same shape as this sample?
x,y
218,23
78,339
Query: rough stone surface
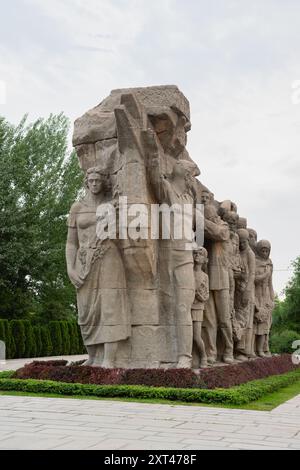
x,y
140,299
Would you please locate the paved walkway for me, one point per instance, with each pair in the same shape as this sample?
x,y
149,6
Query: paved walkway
x,y
50,423
56,423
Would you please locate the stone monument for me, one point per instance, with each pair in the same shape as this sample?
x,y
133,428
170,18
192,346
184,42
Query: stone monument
x,y
150,292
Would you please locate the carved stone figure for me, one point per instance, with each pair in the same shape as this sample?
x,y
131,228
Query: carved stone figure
x,y
252,239
264,297
201,298
244,296
96,269
235,268
137,305
217,323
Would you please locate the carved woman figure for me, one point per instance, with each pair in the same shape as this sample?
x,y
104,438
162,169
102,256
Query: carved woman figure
x,y
264,297
95,268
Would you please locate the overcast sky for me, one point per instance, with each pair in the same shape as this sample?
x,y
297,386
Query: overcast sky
x,y
235,60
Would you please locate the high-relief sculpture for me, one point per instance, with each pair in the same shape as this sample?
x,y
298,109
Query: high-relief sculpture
x,y
244,297
145,298
96,269
217,324
252,239
264,297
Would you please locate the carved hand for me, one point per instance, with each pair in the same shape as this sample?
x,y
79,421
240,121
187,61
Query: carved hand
x,y
76,280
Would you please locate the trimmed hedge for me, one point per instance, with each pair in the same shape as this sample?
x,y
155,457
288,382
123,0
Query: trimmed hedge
x,y
212,378
24,339
240,395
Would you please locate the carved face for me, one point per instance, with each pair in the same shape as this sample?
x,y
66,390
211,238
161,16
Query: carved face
x,y
264,252
244,244
94,183
200,258
252,238
205,198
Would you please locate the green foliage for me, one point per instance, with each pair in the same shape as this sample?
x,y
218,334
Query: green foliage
x,y
38,183
19,335
47,347
74,339
282,342
24,339
37,332
286,316
56,338
240,395
66,340
30,344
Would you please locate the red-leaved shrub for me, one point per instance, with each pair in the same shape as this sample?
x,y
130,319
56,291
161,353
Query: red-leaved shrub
x,y
215,377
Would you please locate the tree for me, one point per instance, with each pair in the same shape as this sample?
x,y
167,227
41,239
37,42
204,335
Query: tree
x,y
66,341
37,331
287,311
46,342
286,316
56,338
38,183
18,333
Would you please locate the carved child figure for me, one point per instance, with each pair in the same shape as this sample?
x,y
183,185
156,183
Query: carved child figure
x,y
201,297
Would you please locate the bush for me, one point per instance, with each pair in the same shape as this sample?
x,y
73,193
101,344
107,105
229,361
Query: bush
x,y
46,342
18,333
10,345
56,338
240,395
66,341
282,342
217,377
37,332
23,339
73,332
6,336
30,344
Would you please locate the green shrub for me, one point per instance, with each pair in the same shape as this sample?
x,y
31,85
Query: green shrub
x,y
46,342
37,331
56,338
10,346
282,342
18,333
66,341
239,395
30,344
82,348
73,332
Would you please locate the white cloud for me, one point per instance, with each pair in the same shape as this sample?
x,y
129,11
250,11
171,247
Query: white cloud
x,y
235,64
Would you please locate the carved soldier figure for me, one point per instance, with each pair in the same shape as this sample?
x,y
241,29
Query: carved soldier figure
x,y
244,296
178,253
218,315
201,298
264,297
95,268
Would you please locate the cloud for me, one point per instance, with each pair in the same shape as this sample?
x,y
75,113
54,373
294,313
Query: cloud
x,y
236,64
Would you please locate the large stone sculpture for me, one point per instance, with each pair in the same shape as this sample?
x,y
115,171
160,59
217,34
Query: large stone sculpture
x,y
144,297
